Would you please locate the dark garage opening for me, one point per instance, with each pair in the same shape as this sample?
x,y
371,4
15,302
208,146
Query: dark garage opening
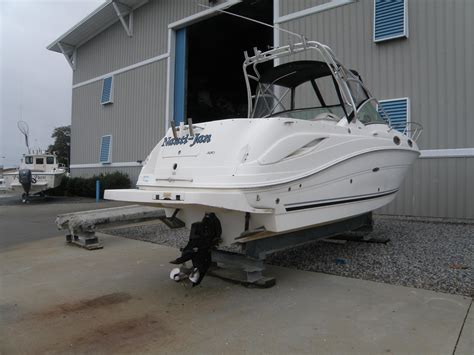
x,y
215,86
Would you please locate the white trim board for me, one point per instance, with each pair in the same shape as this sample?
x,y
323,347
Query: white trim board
x,y
313,10
447,153
128,164
201,15
123,70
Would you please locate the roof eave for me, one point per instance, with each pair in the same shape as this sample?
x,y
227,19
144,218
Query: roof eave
x,y
132,5
54,45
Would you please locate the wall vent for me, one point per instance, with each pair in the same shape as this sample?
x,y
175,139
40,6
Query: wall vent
x,y
390,19
399,112
107,90
105,149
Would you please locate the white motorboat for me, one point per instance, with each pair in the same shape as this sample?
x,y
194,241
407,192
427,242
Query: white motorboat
x,y
314,149
38,172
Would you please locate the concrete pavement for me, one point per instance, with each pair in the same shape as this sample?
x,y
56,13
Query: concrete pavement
x,y
59,298
20,222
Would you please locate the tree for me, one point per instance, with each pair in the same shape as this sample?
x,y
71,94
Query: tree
x,y
62,144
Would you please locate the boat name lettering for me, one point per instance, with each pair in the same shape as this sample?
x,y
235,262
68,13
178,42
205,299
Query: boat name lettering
x,y
196,139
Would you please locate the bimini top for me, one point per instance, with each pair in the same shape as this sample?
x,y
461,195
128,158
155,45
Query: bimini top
x,y
293,74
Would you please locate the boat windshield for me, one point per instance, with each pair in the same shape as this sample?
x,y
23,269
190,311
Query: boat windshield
x,y
307,90
303,90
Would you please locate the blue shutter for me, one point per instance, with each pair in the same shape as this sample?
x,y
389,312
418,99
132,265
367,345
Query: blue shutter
x,y
397,111
105,147
389,19
107,90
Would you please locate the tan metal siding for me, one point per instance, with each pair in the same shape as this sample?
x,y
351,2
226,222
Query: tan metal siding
x,y
112,49
136,119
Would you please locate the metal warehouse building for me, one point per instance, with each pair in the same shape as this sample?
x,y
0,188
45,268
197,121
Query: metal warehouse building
x,y
139,64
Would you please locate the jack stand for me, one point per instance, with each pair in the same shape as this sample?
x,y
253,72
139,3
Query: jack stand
x,y
173,222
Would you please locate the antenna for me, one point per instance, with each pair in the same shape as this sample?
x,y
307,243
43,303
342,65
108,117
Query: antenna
x,y
25,130
303,38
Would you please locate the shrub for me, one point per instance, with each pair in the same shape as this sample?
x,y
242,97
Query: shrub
x,y
85,187
60,190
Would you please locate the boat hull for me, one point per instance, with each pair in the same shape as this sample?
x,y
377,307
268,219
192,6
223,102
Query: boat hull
x,y
41,181
355,186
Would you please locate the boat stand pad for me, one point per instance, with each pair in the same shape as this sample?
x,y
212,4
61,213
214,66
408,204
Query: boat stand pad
x,y
240,269
89,243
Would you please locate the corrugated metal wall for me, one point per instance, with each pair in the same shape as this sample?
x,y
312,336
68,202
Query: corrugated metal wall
x,y
433,67
135,119
440,187
113,49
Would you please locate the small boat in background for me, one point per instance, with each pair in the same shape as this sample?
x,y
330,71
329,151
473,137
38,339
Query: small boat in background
x,y
38,172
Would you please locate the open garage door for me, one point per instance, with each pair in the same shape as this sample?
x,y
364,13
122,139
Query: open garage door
x,y
209,56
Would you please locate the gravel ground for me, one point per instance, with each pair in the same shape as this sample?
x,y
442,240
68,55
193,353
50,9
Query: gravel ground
x,y
153,232
434,256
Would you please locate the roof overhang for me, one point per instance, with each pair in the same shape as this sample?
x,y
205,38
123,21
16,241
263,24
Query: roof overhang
x,y
103,17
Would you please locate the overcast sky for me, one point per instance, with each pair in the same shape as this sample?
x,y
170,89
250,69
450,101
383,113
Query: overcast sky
x,y
35,84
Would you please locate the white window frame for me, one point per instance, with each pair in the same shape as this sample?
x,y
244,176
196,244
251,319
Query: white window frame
x,y
405,25
111,97
109,157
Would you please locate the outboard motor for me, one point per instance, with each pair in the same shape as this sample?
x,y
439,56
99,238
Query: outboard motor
x,y
204,237
25,178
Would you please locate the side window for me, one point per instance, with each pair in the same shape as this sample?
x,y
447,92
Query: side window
x,y
49,160
29,160
39,161
390,19
398,111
